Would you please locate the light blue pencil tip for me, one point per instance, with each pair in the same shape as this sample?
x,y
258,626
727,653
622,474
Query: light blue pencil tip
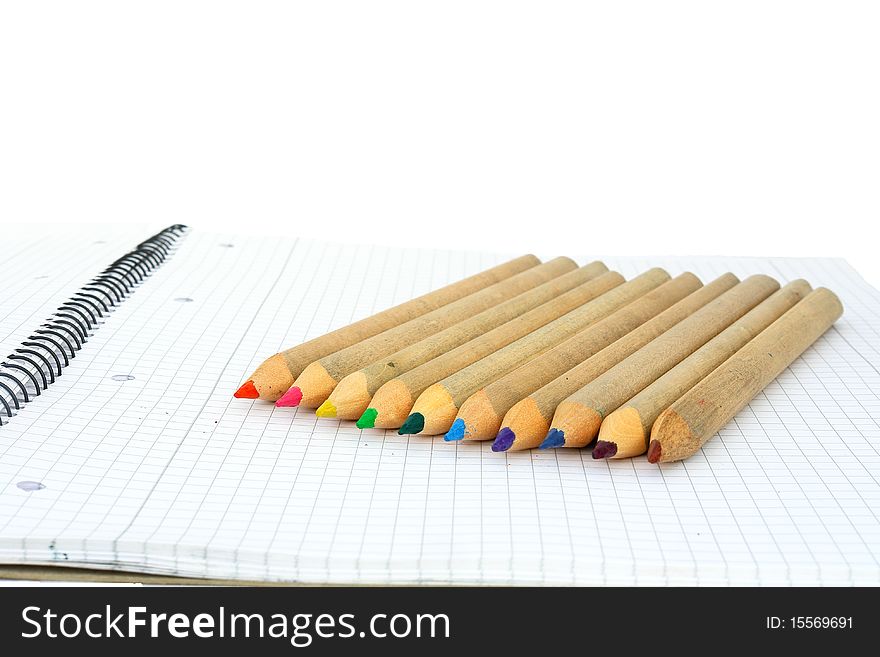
x,y
456,431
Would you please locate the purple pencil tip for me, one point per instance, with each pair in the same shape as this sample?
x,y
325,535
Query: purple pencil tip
x,y
504,440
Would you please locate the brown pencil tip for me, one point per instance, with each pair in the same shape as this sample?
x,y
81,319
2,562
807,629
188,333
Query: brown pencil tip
x,y
655,451
247,391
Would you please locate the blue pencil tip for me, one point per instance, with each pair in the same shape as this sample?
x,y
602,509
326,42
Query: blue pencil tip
x,y
503,440
456,431
555,438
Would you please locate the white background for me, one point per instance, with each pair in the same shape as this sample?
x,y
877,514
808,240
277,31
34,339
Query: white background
x,y
743,128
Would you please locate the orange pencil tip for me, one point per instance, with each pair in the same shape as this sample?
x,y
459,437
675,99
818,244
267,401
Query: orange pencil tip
x,y
247,391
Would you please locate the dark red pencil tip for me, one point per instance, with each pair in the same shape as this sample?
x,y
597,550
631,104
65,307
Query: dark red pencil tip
x,y
604,449
247,391
655,450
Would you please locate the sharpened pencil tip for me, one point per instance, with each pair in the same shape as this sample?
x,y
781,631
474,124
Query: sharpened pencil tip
x,y
413,424
555,438
368,419
327,409
655,451
456,431
290,398
503,440
604,449
247,391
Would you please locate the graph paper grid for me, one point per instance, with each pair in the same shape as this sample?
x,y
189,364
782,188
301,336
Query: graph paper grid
x,y
167,473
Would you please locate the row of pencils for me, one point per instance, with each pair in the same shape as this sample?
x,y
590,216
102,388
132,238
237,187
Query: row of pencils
x,y
530,354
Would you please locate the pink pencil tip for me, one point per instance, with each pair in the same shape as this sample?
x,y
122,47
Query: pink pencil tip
x,y
290,398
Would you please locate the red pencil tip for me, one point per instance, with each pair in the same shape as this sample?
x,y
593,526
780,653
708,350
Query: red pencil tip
x,y
655,450
247,391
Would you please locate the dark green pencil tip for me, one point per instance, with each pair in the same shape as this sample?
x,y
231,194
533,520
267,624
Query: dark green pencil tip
x,y
368,419
413,424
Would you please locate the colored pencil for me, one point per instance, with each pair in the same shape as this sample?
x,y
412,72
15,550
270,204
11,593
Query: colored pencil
x,y
526,424
353,393
577,419
436,408
624,433
276,374
393,400
318,379
683,428
480,416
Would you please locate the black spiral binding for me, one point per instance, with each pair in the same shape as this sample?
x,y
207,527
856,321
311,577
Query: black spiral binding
x,y
39,361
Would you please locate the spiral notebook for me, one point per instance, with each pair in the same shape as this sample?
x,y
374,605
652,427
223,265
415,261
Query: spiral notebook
x,y
136,457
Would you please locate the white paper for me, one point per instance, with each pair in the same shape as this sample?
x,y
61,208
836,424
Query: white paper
x,y
167,473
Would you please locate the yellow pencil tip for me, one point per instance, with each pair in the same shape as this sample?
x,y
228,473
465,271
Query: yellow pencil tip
x,y
327,409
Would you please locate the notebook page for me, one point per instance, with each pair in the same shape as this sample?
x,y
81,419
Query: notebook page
x,y
167,473
40,273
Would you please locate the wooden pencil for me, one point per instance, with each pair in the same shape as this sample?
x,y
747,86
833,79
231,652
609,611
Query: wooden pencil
x,y
352,395
577,419
683,428
318,379
624,433
393,401
276,374
479,418
435,409
526,423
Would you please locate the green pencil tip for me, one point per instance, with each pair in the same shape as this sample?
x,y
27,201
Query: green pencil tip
x,y
368,419
413,424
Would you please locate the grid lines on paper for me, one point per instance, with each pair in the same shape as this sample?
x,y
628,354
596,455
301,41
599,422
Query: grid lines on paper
x,y
167,473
